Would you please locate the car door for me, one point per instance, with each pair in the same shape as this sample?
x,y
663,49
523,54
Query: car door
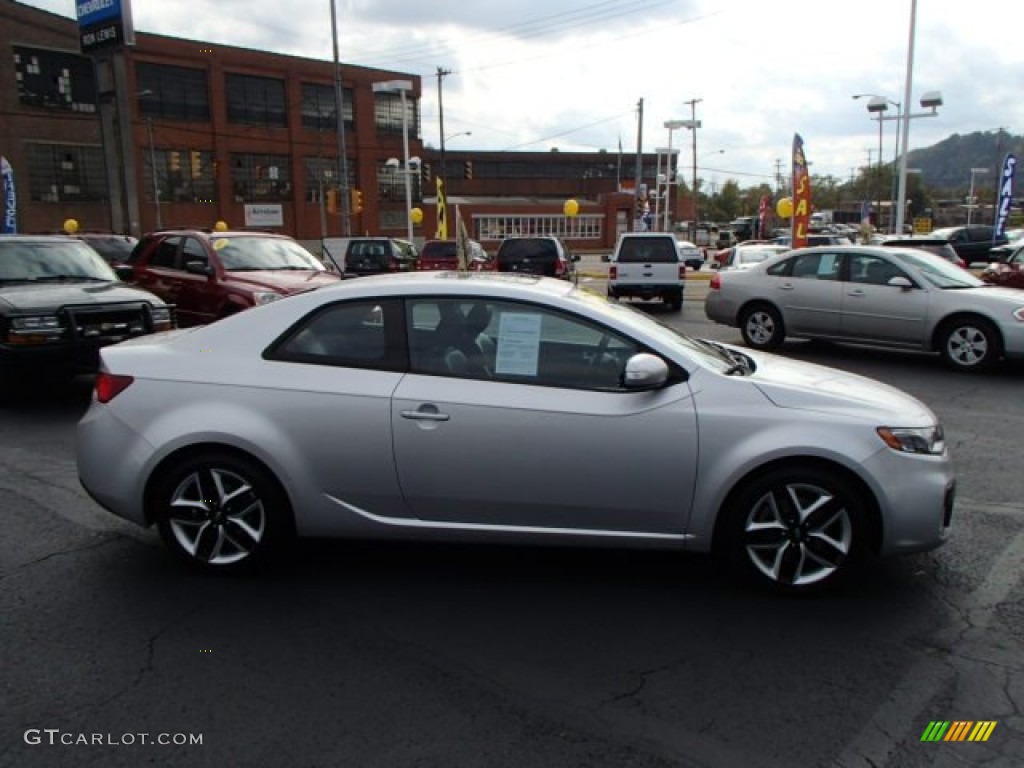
x,y
199,297
808,290
542,435
873,310
160,271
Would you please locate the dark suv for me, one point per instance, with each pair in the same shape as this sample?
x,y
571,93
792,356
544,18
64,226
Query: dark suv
x,y
209,275
546,256
936,245
60,302
361,256
973,243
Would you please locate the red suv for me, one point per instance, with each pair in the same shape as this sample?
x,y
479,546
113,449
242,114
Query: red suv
x,y
209,275
440,254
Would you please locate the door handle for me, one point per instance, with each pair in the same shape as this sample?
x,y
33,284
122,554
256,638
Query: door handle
x,y
425,416
786,287
856,292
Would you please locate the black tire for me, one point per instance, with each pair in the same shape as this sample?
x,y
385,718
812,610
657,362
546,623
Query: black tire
x,y
674,300
761,327
795,529
221,512
970,344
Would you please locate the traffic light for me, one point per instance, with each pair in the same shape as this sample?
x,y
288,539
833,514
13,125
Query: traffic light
x,y
357,201
332,200
468,169
425,170
196,161
174,158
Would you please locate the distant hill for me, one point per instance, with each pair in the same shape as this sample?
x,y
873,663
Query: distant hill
x,y
946,166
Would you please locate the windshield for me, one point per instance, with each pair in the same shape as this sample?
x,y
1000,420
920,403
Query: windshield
x,y
256,253
937,271
640,322
24,260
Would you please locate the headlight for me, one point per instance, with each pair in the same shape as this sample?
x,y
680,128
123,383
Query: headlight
x,y
36,324
161,317
929,440
265,297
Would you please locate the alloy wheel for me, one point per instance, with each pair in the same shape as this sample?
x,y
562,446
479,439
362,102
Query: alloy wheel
x,y
216,517
967,346
798,534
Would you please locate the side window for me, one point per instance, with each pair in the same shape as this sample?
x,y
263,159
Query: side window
x,y
512,342
193,250
355,334
816,266
165,254
872,270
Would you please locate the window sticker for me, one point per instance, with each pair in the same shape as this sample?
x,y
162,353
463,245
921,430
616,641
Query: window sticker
x,y
518,344
219,243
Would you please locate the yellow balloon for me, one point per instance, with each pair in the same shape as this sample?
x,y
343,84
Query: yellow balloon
x,y
784,207
571,208
220,226
70,226
416,215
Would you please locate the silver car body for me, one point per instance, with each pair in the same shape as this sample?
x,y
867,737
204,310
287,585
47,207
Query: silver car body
x,y
746,256
835,301
393,453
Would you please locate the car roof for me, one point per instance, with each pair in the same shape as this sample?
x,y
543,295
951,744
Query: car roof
x,y
19,238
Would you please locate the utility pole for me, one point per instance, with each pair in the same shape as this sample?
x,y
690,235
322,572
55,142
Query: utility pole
x,y
778,175
441,72
639,157
339,99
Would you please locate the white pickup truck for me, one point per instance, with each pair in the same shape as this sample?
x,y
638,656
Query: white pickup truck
x,y
647,265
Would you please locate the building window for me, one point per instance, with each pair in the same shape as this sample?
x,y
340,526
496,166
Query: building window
x,y
256,100
583,227
387,109
54,80
172,93
60,173
318,112
322,174
391,183
183,175
261,178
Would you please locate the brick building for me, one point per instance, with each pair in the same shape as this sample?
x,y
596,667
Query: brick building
x,y
190,133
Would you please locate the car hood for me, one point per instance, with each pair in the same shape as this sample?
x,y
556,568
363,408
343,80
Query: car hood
x,y
1010,297
809,387
43,296
283,280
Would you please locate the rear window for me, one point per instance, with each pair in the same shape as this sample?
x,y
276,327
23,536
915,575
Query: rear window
x,y
537,251
648,250
442,249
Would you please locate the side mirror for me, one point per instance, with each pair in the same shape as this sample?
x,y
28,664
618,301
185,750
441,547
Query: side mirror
x,y
645,371
900,282
198,268
124,272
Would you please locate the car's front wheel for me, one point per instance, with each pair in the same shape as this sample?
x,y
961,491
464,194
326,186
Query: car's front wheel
x,y
221,512
761,327
796,529
970,344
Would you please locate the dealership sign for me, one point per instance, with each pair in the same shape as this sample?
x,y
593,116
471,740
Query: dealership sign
x,y
264,216
104,24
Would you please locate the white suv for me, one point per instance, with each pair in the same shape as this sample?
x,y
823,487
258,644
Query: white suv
x,y
647,265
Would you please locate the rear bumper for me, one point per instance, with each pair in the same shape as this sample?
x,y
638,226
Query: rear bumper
x,y
645,290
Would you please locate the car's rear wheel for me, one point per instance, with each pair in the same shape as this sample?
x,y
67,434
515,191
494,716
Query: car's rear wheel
x,y
761,327
796,529
970,344
674,299
221,512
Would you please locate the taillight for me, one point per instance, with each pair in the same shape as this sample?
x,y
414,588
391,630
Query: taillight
x,y
613,272
394,265
559,268
110,385
716,283
682,271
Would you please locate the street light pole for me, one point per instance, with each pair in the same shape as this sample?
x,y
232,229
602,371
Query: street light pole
x,y
901,195
669,171
970,194
693,124
402,86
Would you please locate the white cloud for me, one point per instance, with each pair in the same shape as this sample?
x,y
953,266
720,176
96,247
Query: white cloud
x,y
569,73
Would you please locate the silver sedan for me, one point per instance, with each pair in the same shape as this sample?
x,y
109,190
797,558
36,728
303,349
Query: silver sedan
x,y
897,297
489,407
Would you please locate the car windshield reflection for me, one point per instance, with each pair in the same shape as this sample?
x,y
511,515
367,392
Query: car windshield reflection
x,y
253,253
23,261
938,271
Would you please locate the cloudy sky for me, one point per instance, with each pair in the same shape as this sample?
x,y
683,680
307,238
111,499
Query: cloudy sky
x,y
539,74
